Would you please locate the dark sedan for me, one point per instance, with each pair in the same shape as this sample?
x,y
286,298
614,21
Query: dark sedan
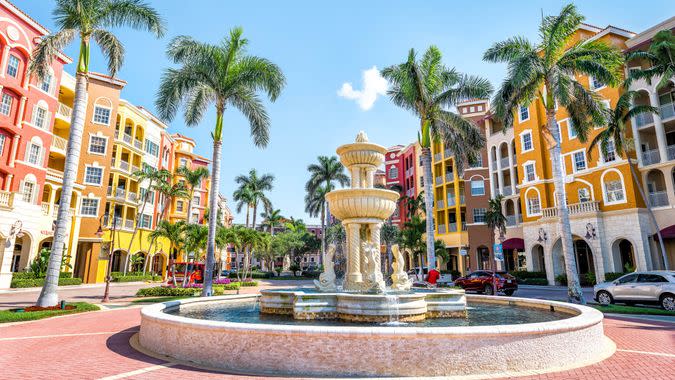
x,y
483,281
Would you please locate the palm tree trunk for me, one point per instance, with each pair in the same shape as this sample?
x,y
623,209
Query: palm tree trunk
x,y
154,240
133,234
213,210
429,206
323,234
247,212
574,293
48,295
188,221
652,218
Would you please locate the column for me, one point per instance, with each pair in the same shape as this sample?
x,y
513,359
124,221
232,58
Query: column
x,y
500,175
356,177
8,182
493,189
670,190
512,169
19,115
370,177
6,255
15,147
636,138
5,56
353,256
52,199
658,126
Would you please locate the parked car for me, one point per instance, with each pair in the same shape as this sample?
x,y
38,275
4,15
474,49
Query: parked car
x,y
650,287
482,281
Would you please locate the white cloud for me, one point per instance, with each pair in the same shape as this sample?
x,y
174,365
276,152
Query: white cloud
x,y
373,86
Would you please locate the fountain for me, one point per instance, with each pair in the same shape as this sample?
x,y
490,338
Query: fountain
x,y
360,327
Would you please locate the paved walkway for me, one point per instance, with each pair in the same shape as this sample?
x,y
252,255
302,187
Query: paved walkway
x,y
96,345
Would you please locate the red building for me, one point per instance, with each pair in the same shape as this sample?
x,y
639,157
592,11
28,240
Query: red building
x,y
403,174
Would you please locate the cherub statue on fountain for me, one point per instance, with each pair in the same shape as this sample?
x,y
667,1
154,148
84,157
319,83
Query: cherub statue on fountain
x,y
399,278
372,275
326,282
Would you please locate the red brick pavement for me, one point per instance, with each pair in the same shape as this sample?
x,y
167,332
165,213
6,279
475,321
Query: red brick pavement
x,y
103,350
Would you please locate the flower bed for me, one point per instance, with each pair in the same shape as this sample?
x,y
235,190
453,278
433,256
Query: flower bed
x,y
35,312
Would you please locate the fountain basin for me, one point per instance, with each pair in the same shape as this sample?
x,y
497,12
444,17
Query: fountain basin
x,y
327,350
363,203
361,153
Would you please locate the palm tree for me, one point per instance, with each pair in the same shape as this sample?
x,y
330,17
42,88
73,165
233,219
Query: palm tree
x,y
244,197
86,19
195,240
173,232
496,221
548,71
613,140
661,56
411,237
193,178
221,75
327,173
415,203
315,205
153,176
272,219
295,225
429,89
257,185
390,234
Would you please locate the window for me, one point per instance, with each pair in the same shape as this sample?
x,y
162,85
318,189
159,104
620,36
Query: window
x,y
89,207
393,172
93,175
584,195
651,278
614,191
2,143
46,83
595,83
526,140
6,104
579,159
533,206
571,131
152,148
477,188
34,154
524,113
197,200
479,215
183,162
145,221
28,192
610,155
13,66
101,115
40,117
530,174
627,279
97,144
179,206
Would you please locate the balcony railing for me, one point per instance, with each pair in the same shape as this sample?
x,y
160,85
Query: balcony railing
x,y
59,143
440,203
437,157
45,208
451,201
6,199
494,165
133,197
658,199
452,227
644,119
671,152
504,163
64,111
463,225
129,224
584,207
550,212
441,228
513,220
138,144
449,177
461,199
650,157
439,180
507,190
667,111
447,153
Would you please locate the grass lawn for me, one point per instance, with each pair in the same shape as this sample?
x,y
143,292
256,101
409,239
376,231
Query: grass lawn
x,y
159,299
7,316
623,309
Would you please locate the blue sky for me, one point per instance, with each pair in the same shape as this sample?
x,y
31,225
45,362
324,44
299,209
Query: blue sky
x,y
320,46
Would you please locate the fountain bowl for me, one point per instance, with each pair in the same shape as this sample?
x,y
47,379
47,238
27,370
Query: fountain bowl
x,y
339,351
362,203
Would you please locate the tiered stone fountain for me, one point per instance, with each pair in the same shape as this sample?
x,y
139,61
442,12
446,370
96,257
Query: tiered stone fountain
x,y
363,296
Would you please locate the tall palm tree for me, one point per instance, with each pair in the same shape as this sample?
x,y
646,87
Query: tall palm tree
x,y
173,232
613,139
258,186
195,237
496,221
89,20
244,197
429,89
327,173
221,75
295,225
548,71
153,176
193,178
661,56
271,219
315,205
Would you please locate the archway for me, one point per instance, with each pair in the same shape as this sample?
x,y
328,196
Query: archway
x,y
483,257
158,264
118,258
538,262
21,256
656,188
557,258
137,261
584,257
623,254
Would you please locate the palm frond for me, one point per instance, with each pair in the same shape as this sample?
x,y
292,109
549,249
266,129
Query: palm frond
x,y
253,109
111,48
48,48
135,14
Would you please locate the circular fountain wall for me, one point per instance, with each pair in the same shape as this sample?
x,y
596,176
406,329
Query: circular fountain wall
x,y
299,348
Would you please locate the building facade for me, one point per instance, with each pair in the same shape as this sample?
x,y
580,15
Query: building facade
x,y
403,173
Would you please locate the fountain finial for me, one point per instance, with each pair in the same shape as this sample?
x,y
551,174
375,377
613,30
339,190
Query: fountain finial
x,y
361,137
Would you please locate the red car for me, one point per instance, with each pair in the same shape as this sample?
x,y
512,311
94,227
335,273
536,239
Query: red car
x,y
482,282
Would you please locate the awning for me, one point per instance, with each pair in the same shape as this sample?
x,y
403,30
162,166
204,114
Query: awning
x,y
667,233
514,243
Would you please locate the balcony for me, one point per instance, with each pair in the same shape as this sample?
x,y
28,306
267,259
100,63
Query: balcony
x,y
667,111
513,220
129,224
573,209
59,144
452,227
644,119
463,225
6,199
437,157
439,180
440,204
650,157
45,208
494,165
54,175
507,190
451,201
447,153
504,163
449,177
461,199
658,199
441,228
132,197
64,112
671,152
138,144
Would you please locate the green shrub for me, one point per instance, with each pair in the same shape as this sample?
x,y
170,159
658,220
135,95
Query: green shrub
x,y
611,276
37,282
587,279
219,290
253,274
164,291
247,283
533,281
30,275
561,279
523,274
134,278
453,273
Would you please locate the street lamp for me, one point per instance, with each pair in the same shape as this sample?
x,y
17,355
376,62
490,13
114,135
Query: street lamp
x,y
99,233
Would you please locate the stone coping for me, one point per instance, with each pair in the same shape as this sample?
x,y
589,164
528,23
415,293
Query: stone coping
x,y
581,318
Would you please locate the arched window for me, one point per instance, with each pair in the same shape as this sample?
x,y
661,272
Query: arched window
x,y
533,201
41,117
613,190
34,152
29,188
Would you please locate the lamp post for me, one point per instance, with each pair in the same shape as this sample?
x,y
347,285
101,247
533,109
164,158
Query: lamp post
x,y
99,233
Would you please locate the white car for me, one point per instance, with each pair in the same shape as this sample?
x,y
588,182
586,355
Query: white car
x,y
650,287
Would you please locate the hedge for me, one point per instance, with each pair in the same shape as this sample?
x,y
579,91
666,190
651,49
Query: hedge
x,y
523,274
533,281
219,290
37,282
254,274
611,276
165,291
247,283
133,278
587,279
30,276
